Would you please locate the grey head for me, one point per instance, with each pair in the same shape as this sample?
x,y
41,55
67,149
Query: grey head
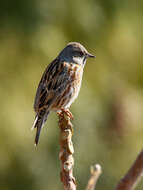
x,y
76,53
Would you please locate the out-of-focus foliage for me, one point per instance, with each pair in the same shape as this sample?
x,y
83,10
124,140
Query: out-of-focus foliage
x,y
108,115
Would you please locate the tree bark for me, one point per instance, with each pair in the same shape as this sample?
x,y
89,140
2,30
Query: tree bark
x,y
66,152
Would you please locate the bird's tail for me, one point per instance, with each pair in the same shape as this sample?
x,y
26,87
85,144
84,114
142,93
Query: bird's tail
x,y
38,124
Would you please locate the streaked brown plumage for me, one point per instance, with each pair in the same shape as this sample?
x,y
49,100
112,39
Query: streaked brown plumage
x,y
60,84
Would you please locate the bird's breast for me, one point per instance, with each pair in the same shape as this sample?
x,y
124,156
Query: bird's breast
x,y
75,73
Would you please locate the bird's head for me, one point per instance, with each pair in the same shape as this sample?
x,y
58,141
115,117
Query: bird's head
x,y
76,53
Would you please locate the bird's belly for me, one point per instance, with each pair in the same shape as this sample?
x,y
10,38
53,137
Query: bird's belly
x,y
71,91
73,94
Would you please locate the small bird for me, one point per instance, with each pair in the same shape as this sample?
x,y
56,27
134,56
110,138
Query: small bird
x,y
60,84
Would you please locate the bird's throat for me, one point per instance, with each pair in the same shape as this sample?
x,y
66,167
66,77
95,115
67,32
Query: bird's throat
x,y
79,60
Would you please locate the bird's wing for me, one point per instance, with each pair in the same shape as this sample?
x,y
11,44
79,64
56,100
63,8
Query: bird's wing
x,y
52,84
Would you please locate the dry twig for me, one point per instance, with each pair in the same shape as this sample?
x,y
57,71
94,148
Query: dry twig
x,y
95,173
66,153
128,182
131,179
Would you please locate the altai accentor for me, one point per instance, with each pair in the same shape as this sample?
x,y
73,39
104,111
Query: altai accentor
x,y
60,84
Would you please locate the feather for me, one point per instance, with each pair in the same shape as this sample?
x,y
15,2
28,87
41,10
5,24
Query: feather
x,y
38,124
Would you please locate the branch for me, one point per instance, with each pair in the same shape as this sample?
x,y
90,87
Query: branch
x,y
131,179
95,173
66,152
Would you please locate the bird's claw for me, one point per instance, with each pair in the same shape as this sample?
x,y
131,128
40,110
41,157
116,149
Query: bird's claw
x,y
66,112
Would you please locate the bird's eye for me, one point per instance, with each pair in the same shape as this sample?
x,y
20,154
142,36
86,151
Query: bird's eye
x,y
81,53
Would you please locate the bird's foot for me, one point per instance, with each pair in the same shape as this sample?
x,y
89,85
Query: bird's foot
x,y
66,112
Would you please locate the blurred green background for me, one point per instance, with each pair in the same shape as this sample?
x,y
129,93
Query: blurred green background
x,y
108,114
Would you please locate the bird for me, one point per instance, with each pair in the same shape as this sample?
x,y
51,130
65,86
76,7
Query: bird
x,y
60,84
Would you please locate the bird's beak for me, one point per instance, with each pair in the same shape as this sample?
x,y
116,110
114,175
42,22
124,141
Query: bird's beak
x,y
90,55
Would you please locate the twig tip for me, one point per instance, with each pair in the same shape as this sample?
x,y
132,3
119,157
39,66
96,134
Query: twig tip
x,y
96,169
